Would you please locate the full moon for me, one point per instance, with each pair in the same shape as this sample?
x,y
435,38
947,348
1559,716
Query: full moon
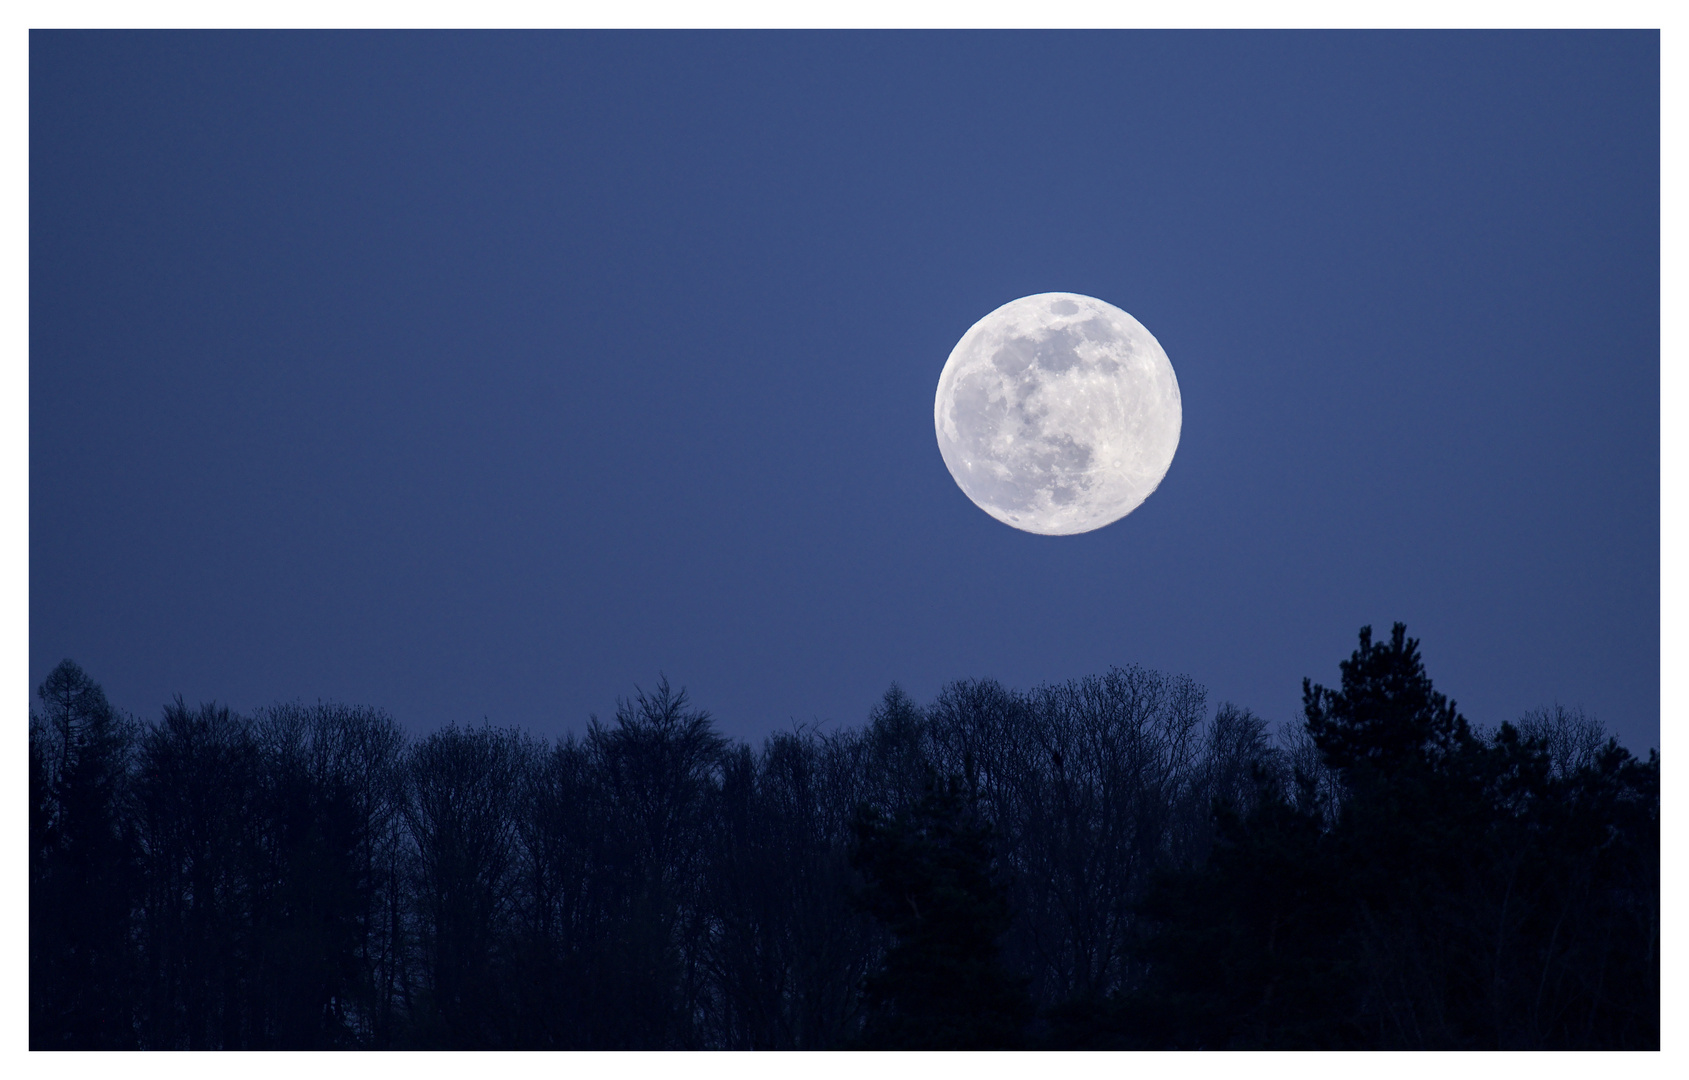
x,y
1057,413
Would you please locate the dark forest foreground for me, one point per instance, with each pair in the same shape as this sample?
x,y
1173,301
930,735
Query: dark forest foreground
x,y
1097,864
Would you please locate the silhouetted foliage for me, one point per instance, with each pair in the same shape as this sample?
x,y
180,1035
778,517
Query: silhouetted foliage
x,y
463,791
83,872
790,950
1100,863
931,879
1468,891
1386,719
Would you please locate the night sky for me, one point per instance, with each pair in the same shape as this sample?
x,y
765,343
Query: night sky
x,y
491,375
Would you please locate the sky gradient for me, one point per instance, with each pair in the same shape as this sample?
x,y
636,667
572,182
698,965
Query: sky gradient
x,y
490,375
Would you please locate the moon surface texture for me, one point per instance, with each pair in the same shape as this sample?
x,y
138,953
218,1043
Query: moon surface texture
x,y
1058,413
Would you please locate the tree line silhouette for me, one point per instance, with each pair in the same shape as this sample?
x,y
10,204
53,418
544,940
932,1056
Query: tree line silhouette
x,y
1092,864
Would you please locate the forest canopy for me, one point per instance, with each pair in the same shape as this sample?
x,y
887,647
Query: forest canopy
x,y
1101,863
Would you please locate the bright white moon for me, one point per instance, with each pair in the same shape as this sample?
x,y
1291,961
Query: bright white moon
x,y
1058,413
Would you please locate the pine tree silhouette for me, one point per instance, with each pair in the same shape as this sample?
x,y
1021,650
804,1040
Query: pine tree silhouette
x,y
1386,717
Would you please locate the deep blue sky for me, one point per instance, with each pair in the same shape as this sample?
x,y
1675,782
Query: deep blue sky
x,y
490,375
